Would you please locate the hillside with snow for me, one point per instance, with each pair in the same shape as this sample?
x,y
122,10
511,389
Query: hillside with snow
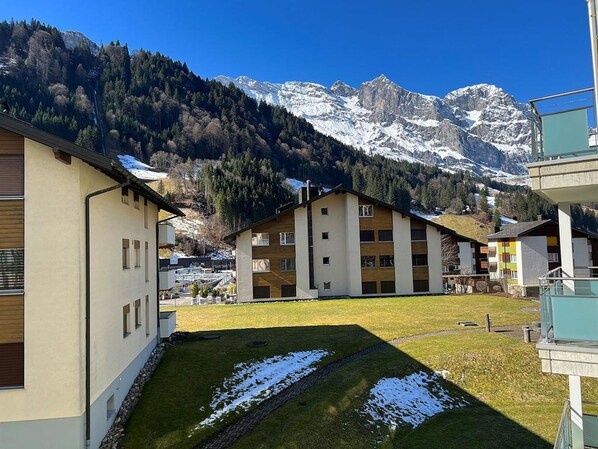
x,y
479,128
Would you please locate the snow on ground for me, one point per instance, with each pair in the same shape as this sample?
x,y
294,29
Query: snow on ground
x,y
296,184
255,381
139,169
506,220
410,400
424,215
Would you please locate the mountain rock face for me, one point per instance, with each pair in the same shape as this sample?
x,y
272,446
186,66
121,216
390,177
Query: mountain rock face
x,y
478,128
73,39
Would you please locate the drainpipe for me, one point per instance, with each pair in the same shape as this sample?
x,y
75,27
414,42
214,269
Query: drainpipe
x,y
158,273
88,308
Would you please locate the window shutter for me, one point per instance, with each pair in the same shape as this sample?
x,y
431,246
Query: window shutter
x,y
11,175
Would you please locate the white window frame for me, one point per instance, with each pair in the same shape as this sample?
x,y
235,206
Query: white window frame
x,y
366,210
372,259
260,239
513,258
555,257
285,263
260,265
514,275
284,238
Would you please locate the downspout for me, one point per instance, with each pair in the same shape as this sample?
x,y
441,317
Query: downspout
x,y
158,273
88,308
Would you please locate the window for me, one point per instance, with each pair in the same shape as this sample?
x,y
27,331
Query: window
x,y
387,287
135,200
126,320
125,253
385,235
124,195
366,210
369,288
145,213
368,261
492,251
147,316
421,286
366,236
261,292
146,262
387,261
553,257
326,260
492,266
327,285
137,246
419,260
287,265
418,234
324,211
137,305
12,269
287,238
513,258
288,291
324,236
513,275
261,265
110,408
11,175
260,239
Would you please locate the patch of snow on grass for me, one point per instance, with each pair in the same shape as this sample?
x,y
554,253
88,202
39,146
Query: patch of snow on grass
x,y
506,220
410,400
254,382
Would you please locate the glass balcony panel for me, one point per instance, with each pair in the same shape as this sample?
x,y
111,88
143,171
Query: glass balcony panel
x,y
565,133
575,318
590,430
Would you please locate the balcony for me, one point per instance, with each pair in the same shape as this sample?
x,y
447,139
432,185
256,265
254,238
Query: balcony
x,y
569,324
167,323
564,436
166,279
564,164
166,235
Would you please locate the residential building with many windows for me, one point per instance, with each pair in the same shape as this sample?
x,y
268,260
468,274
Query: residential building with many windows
x,y
78,288
338,243
565,171
522,252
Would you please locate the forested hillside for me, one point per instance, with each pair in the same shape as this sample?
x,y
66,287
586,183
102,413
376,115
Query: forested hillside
x,y
118,101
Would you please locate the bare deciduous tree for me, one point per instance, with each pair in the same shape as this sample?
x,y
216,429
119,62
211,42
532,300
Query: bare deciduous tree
x,y
449,252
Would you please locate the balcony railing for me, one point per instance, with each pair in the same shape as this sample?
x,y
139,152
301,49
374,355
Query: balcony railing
x,y
569,307
564,125
563,435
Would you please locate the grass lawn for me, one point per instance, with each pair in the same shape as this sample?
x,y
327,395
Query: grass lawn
x,y
510,403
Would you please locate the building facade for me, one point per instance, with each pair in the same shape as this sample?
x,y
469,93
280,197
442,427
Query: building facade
x,y
522,252
78,288
338,243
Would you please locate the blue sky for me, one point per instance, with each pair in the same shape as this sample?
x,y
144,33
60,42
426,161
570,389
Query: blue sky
x,y
528,47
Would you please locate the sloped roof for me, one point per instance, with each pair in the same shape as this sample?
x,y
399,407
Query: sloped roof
x,y
109,167
341,189
518,229
515,230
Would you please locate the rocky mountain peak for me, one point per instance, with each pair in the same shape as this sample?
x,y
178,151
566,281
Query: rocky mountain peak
x,y
343,89
73,39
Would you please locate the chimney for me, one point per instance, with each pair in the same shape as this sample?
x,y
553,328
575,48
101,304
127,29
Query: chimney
x,y
539,217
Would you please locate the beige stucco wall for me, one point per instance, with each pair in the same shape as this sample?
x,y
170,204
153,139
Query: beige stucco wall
x,y
244,266
335,247
301,252
494,259
434,258
55,287
401,226
352,244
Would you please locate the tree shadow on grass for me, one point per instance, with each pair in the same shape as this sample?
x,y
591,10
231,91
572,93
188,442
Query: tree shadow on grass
x,y
327,413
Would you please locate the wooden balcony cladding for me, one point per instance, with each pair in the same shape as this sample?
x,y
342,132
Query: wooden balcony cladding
x,y
420,274
275,279
377,274
484,250
375,249
419,247
382,219
11,224
11,319
11,175
11,143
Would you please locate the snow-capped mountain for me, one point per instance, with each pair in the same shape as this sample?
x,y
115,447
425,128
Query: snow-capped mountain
x,y
478,128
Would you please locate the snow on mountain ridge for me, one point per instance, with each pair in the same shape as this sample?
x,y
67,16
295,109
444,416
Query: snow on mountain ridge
x,y
478,128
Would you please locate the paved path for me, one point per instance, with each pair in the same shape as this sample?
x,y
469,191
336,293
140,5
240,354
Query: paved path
x,y
230,434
